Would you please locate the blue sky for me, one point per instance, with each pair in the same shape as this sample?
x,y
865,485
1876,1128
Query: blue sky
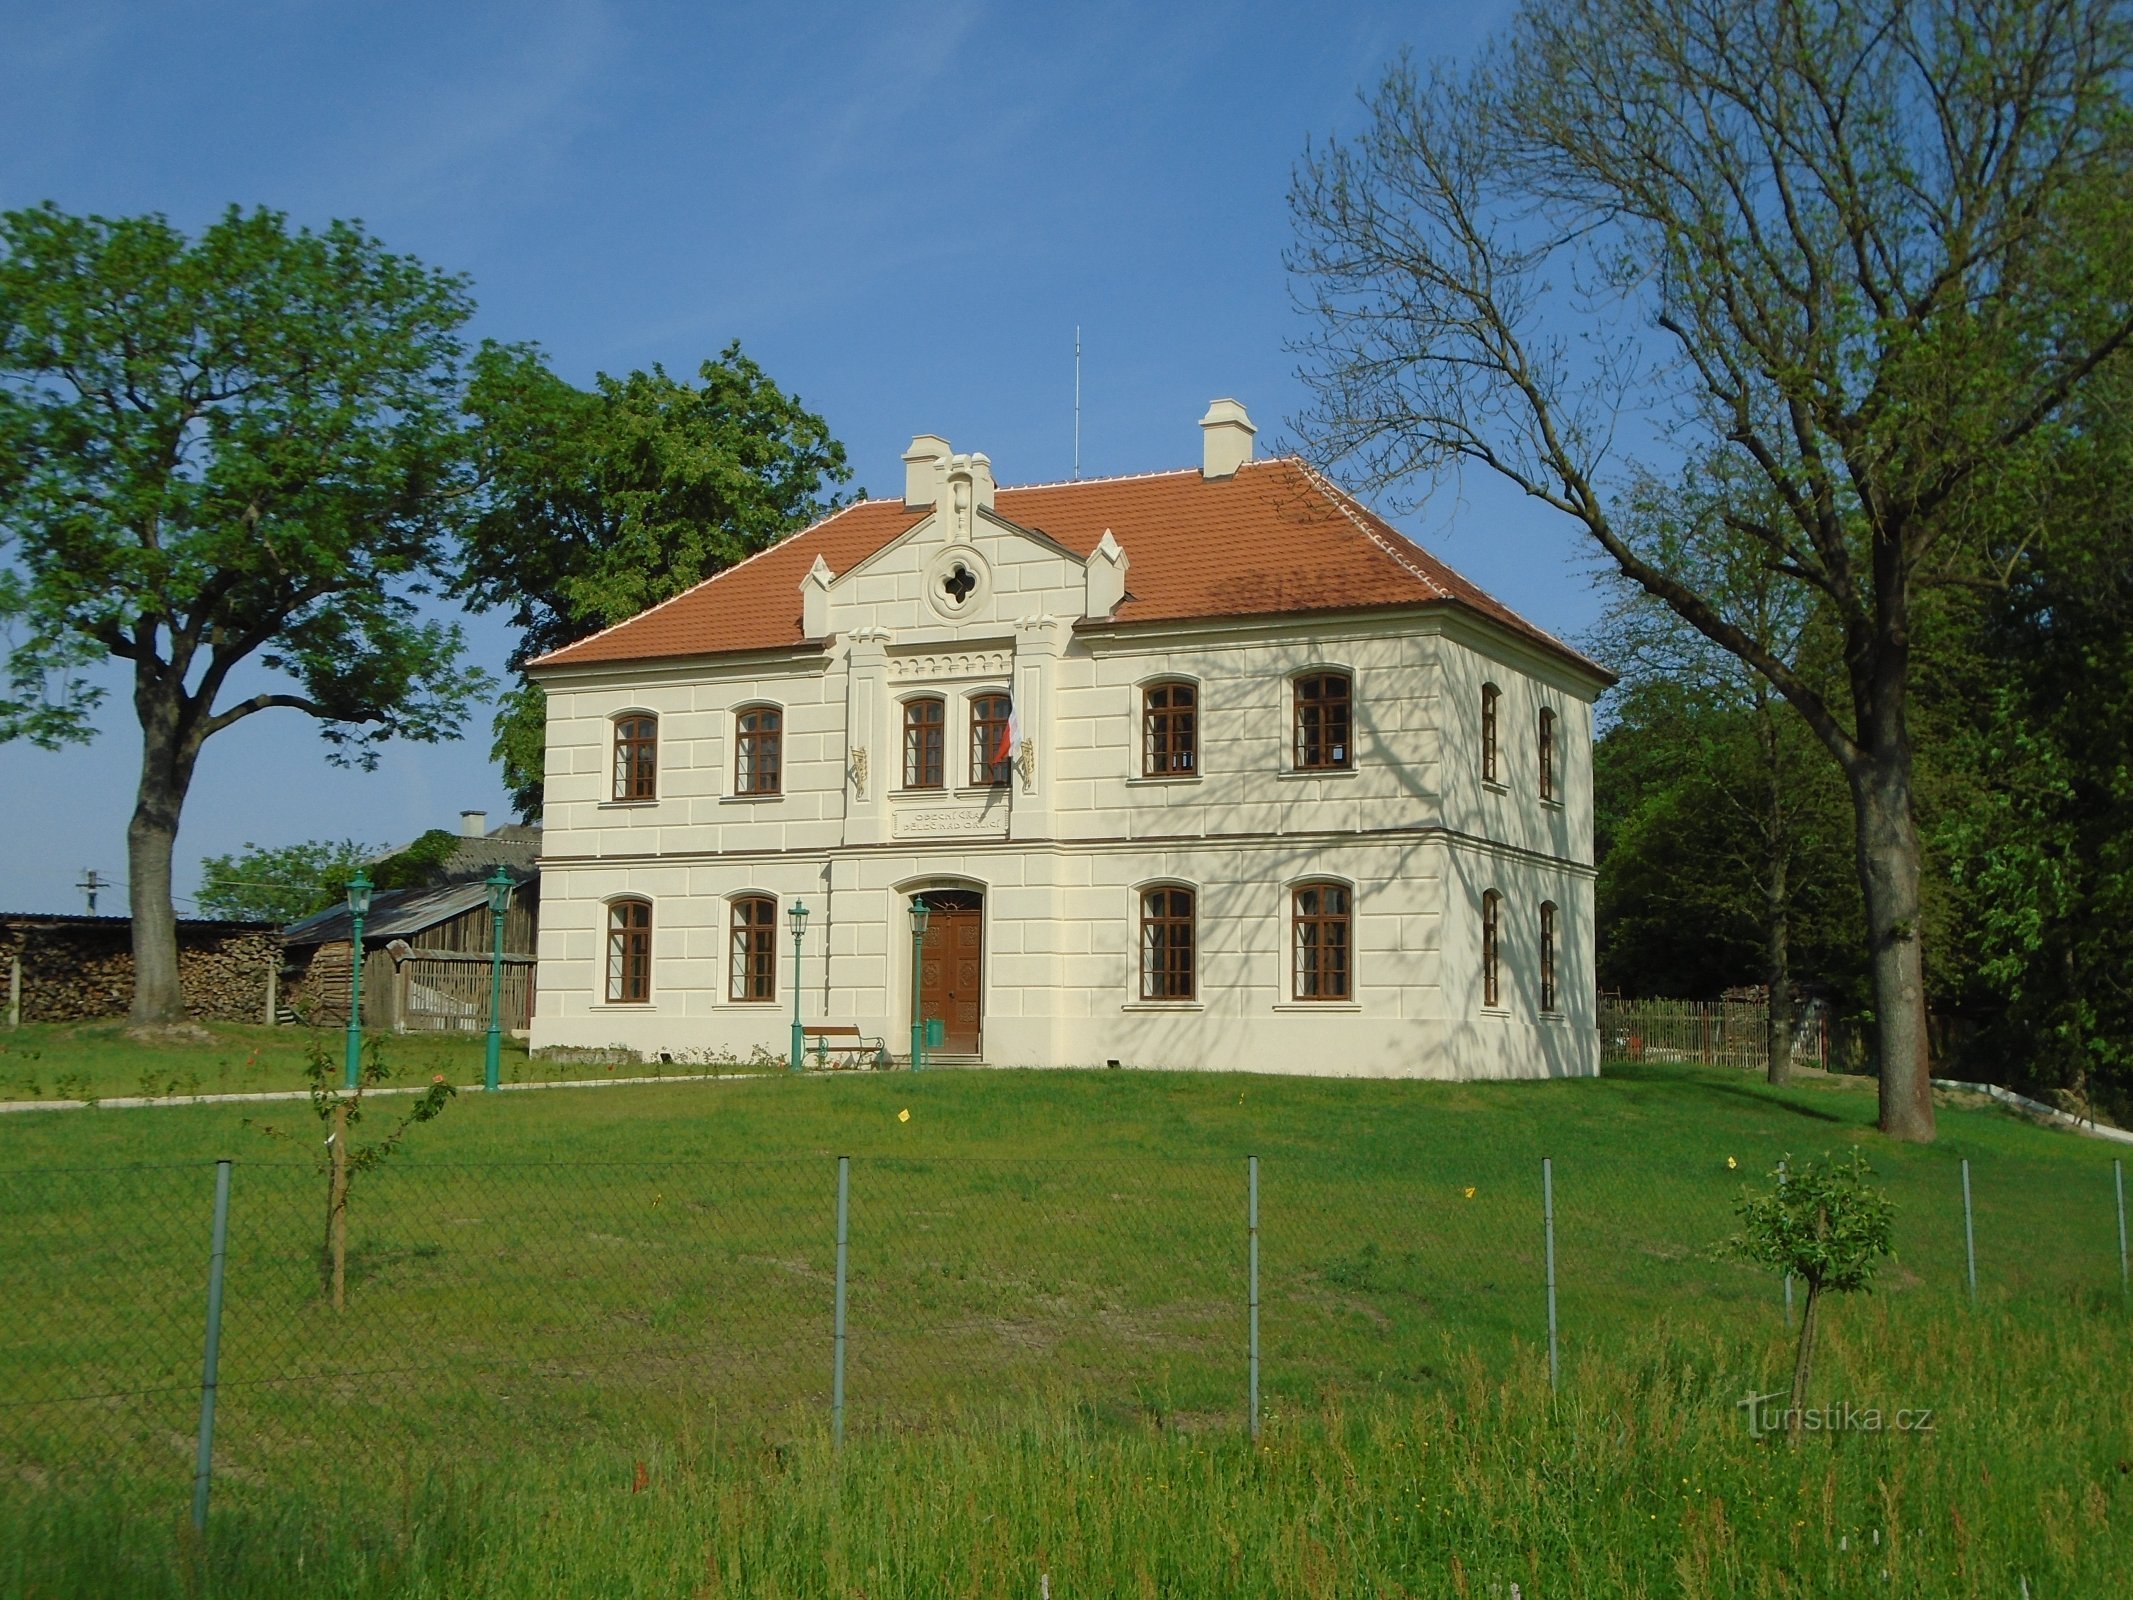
x,y
901,211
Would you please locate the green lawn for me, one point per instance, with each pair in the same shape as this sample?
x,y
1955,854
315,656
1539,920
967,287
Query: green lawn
x,y
562,1283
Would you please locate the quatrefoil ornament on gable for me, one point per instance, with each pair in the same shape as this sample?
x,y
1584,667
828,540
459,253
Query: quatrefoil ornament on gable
x,y
956,580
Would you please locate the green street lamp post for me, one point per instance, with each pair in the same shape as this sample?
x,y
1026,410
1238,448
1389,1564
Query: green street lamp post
x,y
359,888
920,911
499,888
797,916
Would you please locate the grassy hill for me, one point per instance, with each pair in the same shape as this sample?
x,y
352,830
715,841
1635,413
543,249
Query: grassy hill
x,y
1046,1266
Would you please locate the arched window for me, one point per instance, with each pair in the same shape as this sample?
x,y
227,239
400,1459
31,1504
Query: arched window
x,y
992,760
758,750
1546,739
629,952
1322,702
755,949
1490,694
924,746
1548,956
1325,960
1170,730
1167,943
1491,917
637,757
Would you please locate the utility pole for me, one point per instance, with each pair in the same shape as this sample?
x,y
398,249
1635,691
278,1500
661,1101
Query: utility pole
x,y
91,881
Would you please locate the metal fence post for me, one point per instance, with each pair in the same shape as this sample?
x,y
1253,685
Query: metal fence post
x,y
1251,1222
211,1356
2118,1181
844,1195
1548,1225
1969,1234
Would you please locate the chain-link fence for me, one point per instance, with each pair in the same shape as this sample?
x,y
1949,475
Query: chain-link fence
x,y
525,1306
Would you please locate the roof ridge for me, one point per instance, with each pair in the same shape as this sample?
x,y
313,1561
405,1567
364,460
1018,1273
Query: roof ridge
x,y
1119,477
1348,506
705,583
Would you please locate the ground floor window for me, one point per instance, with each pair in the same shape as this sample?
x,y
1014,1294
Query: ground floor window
x,y
1167,944
755,949
629,952
1319,920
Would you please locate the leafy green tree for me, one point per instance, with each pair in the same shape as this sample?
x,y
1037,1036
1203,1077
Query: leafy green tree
x,y
1844,269
283,883
1823,1223
605,501
228,460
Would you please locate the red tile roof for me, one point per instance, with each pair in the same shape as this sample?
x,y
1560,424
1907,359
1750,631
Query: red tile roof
x,y
1276,539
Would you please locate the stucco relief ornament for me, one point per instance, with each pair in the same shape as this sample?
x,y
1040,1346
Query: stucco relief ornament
x,y
1029,766
859,770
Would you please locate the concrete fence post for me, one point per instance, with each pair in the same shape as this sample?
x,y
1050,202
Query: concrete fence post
x,y
211,1355
1548,1229
14,991
844,1198
1251,1226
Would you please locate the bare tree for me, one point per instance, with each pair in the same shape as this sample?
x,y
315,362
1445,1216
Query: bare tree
x,y
1857,258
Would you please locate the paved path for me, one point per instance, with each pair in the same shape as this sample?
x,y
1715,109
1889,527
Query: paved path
x,y
131,1102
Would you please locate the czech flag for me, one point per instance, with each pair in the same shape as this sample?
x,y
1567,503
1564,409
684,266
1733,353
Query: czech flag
x,y
1010,737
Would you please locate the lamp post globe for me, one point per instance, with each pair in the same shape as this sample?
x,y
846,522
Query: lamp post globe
x,y
499,886
796,917
359,888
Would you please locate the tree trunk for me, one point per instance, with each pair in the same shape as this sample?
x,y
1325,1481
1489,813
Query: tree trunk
x,y
1803,1362
336,1254
1889,871
151,837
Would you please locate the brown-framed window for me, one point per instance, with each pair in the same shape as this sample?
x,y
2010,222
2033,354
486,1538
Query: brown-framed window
x,y
1167,943
925,746
637,757
1491,917
755,949
758,750
1322,722
1170,730
1545,736
629,952
1490,694
1548,955
1325,947
991,761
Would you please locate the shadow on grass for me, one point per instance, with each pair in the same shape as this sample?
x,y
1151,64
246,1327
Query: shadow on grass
x,y
1675,1080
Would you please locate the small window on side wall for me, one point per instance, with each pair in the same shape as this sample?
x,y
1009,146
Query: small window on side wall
x,y
1170,730
1547,954
755,949
629,952
758,750
1545,737
1323,705
925,744
1490,694
636,757
1491,920
1167,944
1324,942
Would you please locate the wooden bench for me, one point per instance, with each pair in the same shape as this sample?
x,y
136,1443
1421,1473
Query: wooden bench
x,y
839,1046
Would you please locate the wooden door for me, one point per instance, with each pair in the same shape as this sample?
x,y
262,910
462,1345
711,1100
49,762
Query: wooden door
x,y
951,974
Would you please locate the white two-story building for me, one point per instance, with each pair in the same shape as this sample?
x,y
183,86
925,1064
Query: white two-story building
x,y
1209,768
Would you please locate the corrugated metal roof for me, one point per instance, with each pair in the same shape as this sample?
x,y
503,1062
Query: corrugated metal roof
x,y
394,913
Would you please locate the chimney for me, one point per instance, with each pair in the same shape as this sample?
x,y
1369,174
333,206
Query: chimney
x,y
1225,439
922,470
473,824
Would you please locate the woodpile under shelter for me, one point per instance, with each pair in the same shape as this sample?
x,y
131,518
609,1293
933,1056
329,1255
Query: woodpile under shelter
x,y
60,968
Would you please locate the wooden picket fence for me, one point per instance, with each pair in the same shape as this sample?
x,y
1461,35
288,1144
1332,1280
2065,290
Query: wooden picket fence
x,y
1719,1033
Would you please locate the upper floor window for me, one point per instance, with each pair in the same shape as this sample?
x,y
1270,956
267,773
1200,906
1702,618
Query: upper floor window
x,y
1491,918
1167,943
925,748
629,952
1490,694
992,756
1170,730
637,757
1322,722
1546,741
1548,956
755,949
1324,948
758,750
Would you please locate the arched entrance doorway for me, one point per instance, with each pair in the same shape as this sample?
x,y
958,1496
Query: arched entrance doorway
x,y
951,967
